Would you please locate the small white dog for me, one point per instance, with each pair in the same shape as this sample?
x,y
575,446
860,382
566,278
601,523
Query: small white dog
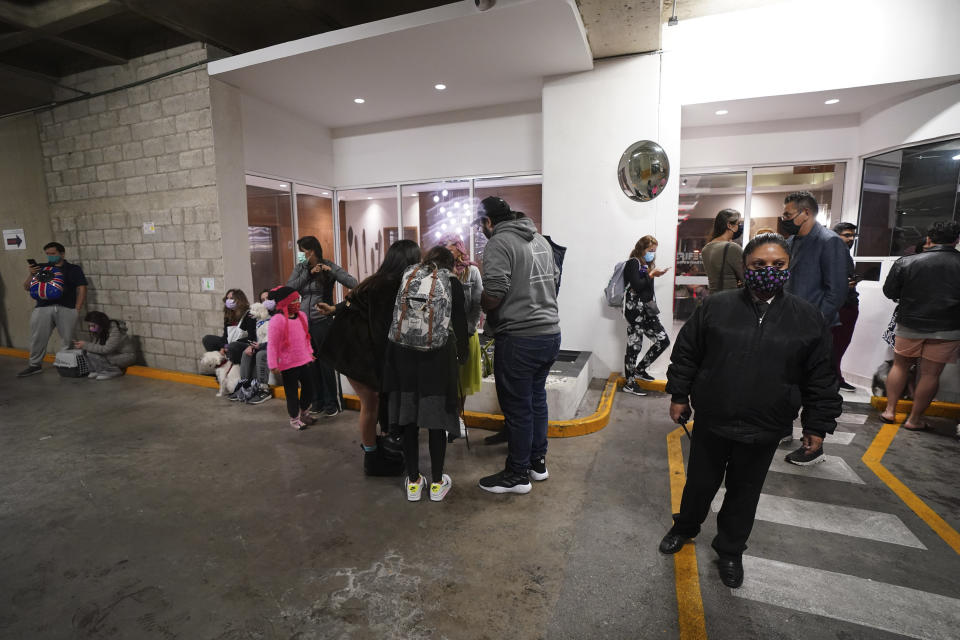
x,y
228,374
258,311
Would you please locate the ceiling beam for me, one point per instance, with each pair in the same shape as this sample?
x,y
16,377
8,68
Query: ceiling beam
x,y
49,20
150,10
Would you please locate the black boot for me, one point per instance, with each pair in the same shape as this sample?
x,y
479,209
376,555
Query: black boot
x,y
380,462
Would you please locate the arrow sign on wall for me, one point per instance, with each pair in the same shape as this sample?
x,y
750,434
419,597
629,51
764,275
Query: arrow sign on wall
x,y
14,239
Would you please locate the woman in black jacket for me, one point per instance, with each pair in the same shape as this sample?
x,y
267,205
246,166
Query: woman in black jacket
x,y
748,360
239,327
357,342
641,313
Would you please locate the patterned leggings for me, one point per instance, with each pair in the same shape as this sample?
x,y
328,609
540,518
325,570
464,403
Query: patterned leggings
x,y
639,324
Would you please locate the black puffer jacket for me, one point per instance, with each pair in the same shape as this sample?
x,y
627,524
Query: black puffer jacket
x,y
748,379
927,285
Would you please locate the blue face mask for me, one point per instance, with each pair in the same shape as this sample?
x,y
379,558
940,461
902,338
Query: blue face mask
x,y
649,256
53,259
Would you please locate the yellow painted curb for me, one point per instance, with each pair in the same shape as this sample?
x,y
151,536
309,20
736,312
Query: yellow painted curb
x,y
935,410
494,422
872,458
690,616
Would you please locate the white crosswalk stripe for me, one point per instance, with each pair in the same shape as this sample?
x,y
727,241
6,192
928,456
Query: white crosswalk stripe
x,y
852,418
849,521
908,612
832,468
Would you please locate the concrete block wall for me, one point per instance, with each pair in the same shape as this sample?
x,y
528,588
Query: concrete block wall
x,y
137,156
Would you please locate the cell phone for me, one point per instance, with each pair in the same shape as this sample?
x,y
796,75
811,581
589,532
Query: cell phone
x,y
31,262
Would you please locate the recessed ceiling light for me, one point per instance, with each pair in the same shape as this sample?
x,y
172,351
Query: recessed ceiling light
x,y
831,101
359,100
440,86
413,195
369,197
721,112
326,193
283,185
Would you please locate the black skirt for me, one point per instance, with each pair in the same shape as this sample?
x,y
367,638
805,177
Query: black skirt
x,y
423,387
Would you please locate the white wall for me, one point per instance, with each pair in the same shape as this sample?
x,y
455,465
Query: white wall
x,y
813,45
490,141
930,115
279,143
589,119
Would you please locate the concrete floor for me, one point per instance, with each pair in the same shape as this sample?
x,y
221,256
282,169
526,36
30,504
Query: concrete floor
x,y
135,508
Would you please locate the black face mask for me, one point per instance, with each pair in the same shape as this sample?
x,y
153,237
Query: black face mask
x,y
738,232
790,227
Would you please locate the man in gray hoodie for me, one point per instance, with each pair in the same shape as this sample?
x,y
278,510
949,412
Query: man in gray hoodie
x,y
520,298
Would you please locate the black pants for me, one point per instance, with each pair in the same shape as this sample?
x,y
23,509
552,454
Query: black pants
x,y
327,393
411,452
299,379
234,349
745,467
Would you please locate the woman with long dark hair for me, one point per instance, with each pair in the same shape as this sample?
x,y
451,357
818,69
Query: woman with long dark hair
x,y
109,349
315,279
357,342
641,313
722,255
421,370
239,328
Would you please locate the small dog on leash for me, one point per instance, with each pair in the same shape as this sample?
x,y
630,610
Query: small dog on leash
x,y
228,374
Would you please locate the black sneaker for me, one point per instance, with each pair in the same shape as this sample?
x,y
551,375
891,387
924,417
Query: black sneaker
x,y
29,371
632,387
643,375
506,481
804,458
261,397
538,469
329,413
846,386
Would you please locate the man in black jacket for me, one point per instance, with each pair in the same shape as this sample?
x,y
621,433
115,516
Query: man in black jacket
x,y
927,286
748,360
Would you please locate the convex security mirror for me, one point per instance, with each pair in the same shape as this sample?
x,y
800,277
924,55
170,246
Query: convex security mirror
x,y
643,171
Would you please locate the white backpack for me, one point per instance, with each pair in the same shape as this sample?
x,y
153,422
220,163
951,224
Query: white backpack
x,y
421,313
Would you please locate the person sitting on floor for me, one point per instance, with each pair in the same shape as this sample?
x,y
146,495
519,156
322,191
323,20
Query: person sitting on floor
x,y
110,349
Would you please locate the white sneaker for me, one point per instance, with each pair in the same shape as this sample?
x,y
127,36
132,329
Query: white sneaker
x,y
414,489
297,423
538,470
787,439
463,428
439,490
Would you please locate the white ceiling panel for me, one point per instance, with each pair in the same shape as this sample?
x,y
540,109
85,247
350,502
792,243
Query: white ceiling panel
x,y
485,58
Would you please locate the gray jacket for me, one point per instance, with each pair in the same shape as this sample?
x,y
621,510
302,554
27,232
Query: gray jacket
x,y
472,289
818,270
118,349
518,269
314,288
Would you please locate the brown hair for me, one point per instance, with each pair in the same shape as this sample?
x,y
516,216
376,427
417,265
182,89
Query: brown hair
x,y
235,315
723,219
641,248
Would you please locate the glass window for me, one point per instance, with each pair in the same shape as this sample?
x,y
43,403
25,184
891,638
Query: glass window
x,y
771,185
903,193
270,232
702,196
315,217
435,209
523,193
368,221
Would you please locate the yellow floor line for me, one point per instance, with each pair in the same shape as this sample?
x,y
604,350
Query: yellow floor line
x,y
687,576
872,458
494,422
935,410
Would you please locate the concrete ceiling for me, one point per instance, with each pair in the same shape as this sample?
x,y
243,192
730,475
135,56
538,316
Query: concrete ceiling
x,y
852,101
486,58
41,41
621,27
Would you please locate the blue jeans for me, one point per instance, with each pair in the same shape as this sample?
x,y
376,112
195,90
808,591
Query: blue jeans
x,y
521,365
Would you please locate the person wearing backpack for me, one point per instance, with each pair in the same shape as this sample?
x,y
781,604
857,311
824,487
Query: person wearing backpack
x,y
290,355
520,299
641,313
57,306
427,340
722,255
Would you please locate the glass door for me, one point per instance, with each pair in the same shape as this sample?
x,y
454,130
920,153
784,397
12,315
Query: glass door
x,y
770,185
269,232
435,211
522,193
702,197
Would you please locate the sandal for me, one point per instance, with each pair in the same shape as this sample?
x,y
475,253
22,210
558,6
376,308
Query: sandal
x,y
923,427
885,421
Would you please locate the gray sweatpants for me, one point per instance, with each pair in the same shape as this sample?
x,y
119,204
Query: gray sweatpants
x,y
42,322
